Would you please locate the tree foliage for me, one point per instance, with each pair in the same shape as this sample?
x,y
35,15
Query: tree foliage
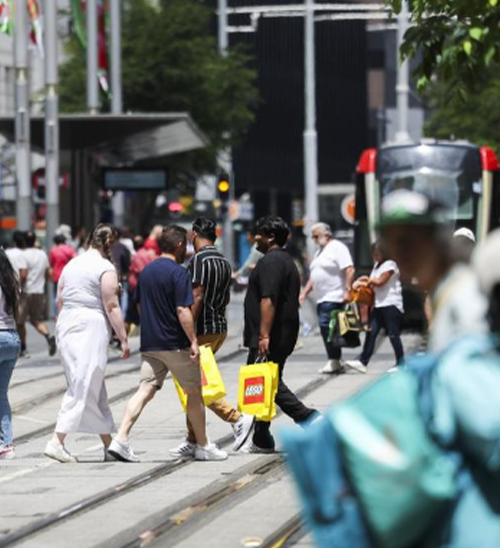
x,y
477,119
457,39
171,64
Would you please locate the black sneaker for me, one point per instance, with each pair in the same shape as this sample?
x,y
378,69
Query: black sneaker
x,y
52,345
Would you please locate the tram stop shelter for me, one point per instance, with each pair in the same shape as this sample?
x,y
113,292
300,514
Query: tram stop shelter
x,y
91,142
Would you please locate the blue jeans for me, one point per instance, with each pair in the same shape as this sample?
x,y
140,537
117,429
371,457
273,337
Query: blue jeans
x,y
391,319
324,311
10,346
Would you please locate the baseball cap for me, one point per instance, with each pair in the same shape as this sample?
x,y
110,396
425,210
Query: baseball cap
x,y
465,233
486,264
407,207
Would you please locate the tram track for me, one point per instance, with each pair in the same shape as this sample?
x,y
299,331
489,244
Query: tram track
x,y
225,492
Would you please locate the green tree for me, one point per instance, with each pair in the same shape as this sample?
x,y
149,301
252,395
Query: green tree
x,y
171,63
459,40
477,119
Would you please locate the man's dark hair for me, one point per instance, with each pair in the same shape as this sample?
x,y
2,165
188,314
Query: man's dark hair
x,y
30,238
59,239
273,226
19,239
171,237
205,228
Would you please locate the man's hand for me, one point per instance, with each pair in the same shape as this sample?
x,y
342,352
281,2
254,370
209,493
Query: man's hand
x,y
347,296
302,298
125,355
263,346
194,353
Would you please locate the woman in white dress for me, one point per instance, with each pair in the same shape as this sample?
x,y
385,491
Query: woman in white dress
x,y
88,302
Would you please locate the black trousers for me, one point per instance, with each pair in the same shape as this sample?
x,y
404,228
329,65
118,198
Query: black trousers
x,y
286,400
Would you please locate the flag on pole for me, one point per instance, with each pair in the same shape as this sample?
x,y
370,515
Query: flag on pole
x,y
36,34
78,8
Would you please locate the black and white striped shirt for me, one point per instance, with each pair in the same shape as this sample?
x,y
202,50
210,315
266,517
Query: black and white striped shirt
x,y
211,270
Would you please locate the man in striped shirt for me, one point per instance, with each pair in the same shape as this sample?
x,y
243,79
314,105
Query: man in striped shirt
x,y
211,278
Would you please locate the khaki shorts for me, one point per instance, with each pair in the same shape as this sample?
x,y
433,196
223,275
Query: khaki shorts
x,y
32,307
156,365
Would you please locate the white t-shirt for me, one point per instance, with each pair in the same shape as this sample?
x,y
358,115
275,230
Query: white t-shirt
x,y
37,262
391,293
327,272
6,320
17,259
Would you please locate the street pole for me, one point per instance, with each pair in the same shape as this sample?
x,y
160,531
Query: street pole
x,y
92,52
403,82
22,121
51,119
310,134
118,202
225,157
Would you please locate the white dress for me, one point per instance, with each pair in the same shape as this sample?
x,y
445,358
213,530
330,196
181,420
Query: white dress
x,y
83,334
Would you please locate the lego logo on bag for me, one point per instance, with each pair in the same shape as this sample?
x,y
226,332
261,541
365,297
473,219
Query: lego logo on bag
x,y
254,390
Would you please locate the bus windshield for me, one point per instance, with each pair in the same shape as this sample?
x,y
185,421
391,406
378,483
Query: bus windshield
x,y
450,174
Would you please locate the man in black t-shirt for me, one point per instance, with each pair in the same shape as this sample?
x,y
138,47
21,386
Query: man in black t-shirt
x,y
272,320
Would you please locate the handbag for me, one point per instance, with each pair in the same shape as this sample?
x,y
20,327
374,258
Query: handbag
x,y
258,385
212,385
362,295
345,326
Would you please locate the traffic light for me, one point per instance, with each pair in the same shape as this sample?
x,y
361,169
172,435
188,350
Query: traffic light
x,y
223,188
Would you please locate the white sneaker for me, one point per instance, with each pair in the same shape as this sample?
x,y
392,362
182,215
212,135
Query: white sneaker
x,y
242,428
108,457
58,452
209,452
357,366
186,450
331,366
122,451
250,447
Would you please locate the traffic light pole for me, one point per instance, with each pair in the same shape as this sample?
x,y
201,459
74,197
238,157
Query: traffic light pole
x,y
22,120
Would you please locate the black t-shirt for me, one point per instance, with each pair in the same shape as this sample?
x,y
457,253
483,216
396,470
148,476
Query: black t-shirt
x,y
163,286
277,278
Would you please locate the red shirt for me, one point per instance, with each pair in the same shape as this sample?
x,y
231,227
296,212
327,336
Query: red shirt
x,y
152,243
141,259
60,256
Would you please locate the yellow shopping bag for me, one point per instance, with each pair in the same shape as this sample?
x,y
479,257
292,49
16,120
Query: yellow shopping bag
x,y
257,390
212,385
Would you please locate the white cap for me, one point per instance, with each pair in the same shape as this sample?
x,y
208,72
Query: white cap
x,y
486,263
466,233
64,230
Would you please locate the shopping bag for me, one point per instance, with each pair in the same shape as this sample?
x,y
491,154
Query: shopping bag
x,y
212,385
258,385
345,326
404,480
330,507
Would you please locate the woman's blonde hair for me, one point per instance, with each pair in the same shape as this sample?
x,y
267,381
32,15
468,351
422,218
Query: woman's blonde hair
x,y
103,237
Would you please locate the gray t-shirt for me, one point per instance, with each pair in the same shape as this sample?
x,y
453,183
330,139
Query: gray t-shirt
x,y
37,263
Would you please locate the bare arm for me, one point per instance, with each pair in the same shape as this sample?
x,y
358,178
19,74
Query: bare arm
x,y
23,276
381,280
60,285
186,320
305,292
349,278
267,312
109,293
199,297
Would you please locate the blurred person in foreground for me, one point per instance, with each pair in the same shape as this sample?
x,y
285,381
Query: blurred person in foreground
x,y
10,346
272,321
210,275
331,276
34,303
87,298
419,238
